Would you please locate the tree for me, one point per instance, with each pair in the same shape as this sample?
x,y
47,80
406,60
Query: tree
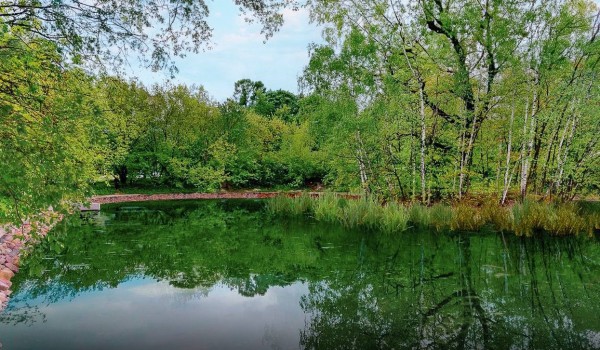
x,y
468,63
47,122
106,31
246,91
279,103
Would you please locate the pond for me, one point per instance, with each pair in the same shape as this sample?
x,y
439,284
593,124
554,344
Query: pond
x,y
224,274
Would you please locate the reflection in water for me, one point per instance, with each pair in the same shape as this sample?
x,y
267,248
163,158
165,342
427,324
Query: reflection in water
x,y
222,274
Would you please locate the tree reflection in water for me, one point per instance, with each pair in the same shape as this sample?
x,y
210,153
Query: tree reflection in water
x,y
366,290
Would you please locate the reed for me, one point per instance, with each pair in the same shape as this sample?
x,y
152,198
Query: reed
x,y
326,208
528,217
440,217
564,219
419,216
466,218
394,218
496,215
524,219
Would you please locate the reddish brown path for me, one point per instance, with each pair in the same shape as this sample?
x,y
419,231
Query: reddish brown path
x,y
121,198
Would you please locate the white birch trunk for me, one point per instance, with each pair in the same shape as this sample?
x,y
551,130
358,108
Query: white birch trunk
x,y
508,152
423,145
563,158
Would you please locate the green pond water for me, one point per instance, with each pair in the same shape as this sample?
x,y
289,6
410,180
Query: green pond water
x,y
227,275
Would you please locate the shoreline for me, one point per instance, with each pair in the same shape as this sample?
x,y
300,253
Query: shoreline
x,y
13,240
124,198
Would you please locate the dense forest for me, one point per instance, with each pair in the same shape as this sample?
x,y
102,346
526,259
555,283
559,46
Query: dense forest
x,y
407,101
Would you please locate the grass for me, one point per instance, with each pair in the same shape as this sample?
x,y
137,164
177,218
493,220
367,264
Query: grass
x,y
523,219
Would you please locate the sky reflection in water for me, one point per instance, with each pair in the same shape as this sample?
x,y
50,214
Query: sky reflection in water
x,y
226,275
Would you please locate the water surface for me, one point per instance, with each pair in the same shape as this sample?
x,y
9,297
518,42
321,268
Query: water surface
x,y
225,275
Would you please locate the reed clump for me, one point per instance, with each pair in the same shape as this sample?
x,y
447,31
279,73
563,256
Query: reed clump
x,y
363,212
496,215
565,220
288,206
466,218
524,219
440,217
394,218
419,215
326,207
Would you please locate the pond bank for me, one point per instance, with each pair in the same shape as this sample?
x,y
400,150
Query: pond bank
x,y
123,198
12,241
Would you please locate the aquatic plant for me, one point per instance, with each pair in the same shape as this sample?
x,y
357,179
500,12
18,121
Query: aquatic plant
x,y
496,215
465,218
326,207
564,219
440,216
394,218
524,219
419,215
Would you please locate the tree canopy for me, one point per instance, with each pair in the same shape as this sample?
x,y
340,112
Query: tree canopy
x,y
424,101
107,32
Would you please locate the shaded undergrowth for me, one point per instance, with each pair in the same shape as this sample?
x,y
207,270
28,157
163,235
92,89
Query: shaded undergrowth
x,y
524,219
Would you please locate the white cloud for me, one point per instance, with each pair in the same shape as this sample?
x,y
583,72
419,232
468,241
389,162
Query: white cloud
x,y
239,52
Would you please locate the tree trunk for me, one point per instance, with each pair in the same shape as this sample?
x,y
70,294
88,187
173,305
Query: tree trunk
x,y
423,136
360,156
508,151
527,144
466,157
562,159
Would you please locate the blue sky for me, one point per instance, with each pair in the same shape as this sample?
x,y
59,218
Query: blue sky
x,y
239,52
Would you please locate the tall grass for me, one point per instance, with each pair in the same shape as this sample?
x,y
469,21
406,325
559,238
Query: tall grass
x,y
527,218
283,205
440,217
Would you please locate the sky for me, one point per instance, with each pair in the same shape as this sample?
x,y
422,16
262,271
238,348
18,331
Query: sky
x,y
239,52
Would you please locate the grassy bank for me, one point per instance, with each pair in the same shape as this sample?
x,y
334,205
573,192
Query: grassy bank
x,y
527,218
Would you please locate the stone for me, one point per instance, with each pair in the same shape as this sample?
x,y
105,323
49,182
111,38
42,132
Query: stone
x,y
4,284
12,267
6,274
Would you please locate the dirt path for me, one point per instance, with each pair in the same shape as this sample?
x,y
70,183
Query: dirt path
x,y
122,198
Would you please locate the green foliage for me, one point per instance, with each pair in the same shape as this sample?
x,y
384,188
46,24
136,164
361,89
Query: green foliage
x,y
50,130
110,32
433,100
